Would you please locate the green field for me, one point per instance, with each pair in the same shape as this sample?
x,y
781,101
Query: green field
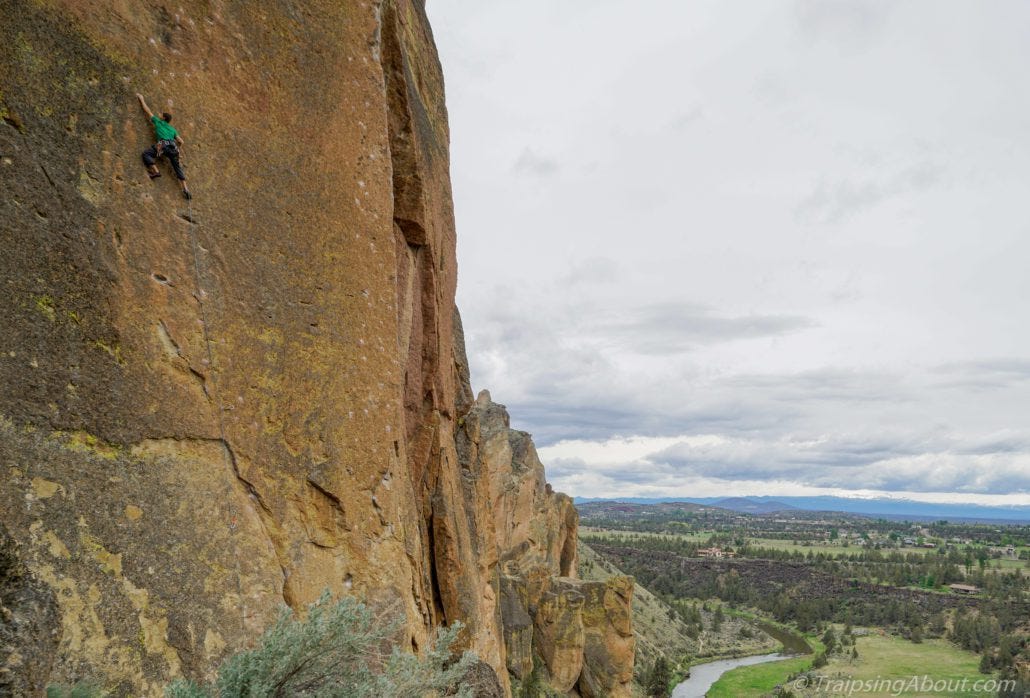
x,y
890,660
1008,564
758,679
761,679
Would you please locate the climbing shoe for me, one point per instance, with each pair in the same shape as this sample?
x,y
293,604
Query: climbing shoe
x,y
186,194
153,175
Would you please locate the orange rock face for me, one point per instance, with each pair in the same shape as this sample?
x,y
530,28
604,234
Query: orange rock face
x,y
210,408
577,636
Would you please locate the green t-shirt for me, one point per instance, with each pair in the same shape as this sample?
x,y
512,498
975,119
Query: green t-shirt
x,y
164,130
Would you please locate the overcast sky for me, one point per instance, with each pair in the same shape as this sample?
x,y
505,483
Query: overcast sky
x,y
766,247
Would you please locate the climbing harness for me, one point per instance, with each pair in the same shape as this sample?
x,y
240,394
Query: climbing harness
x,y
215,396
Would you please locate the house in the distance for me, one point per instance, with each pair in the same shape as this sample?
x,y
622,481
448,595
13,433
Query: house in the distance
x,y
964,588
715,552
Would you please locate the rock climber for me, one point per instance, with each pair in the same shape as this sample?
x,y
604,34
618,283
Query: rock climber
x,y
168,144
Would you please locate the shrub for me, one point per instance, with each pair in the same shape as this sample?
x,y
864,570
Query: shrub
x,y
534,685
659,679
340,650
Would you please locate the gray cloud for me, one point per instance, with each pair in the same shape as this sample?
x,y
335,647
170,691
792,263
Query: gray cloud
x,y
839,200
984,374
529,163
836,385
671,328
553,416
592,270
688,117
850,23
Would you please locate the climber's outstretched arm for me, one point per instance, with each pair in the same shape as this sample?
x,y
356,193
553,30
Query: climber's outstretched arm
x,y
143,103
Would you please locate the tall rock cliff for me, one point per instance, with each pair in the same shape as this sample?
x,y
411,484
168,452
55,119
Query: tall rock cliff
x,y
209,410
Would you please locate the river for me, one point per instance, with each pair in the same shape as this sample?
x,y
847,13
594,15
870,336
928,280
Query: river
x,y
702,676
793,642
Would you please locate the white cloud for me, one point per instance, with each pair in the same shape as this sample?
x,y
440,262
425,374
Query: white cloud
x,y
883,462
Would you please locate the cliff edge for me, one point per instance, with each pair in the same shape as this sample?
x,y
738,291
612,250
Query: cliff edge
x,y
211,408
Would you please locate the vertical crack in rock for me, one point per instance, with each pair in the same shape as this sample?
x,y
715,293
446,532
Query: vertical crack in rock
x,y
265,517
417,297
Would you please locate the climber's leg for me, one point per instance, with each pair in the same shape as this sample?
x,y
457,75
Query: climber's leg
x,y
177,166
150,157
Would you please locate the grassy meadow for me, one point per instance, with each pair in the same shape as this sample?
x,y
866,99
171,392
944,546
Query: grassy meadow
x,y
881,658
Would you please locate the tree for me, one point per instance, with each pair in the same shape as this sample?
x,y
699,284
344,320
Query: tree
x,y
829,639
658,681
341,650
717,619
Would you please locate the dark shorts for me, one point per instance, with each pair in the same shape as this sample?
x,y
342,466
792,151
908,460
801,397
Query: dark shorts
x,y
151,156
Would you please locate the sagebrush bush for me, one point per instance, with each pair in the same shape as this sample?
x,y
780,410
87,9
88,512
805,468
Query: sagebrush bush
x,y
341,650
